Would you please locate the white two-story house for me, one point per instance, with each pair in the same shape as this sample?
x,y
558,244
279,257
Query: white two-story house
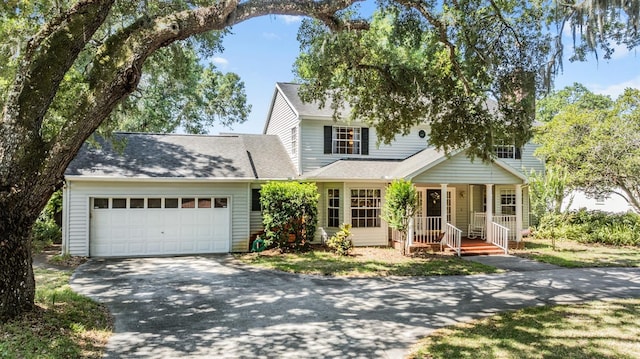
x,y
165,194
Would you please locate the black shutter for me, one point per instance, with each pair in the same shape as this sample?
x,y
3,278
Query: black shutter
x,y
518,153
365,141
328,131
255,200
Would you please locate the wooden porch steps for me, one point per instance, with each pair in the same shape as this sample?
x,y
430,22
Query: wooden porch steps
x,y
470,247
477,247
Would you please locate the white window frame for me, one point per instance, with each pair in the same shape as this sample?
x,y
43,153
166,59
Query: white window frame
x,y
505,151
346,140
508,200
366,207
333,206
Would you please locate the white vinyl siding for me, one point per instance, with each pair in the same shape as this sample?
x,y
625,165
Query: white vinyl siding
x,y
311,137
527,162
80,192
461,210
282,121
460,170
368,236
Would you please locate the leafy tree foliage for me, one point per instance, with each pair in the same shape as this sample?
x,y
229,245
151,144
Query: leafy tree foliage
x,y
548,190
598,147
400,204
67,66
577,95
445,62
289,209
434,62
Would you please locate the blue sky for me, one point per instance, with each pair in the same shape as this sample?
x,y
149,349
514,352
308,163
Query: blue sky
x,y
262,51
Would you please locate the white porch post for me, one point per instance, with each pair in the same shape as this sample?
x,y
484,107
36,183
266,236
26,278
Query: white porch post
x,y
410,232
489,219
518,212
443,206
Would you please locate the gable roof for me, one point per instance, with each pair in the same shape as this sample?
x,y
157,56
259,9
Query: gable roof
x,y
385,170
184,156
304,109
312,109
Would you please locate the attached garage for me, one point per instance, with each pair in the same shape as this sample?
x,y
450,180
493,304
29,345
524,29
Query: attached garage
x,y
164,195
147,226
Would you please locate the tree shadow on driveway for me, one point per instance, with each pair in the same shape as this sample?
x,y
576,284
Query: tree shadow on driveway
x,y
209,306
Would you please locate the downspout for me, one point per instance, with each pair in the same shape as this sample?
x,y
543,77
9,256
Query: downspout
x,y
65,217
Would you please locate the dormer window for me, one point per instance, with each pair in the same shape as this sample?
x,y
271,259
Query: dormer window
x,y
347,140
508,151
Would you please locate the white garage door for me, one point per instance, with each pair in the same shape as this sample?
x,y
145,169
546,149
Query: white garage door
x,y
147,226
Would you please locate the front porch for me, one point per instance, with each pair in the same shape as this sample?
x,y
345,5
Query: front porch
x,y
466,218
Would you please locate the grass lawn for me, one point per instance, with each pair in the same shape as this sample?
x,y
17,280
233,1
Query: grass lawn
x,y
64,324
573,254
362,262
602,329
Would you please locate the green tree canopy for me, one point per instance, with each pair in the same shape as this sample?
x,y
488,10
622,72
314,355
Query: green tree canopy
x,y
70,67
599,148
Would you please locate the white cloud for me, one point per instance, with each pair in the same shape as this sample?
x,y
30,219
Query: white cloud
x,y
616,90
220,61
270,36
290,19
620,51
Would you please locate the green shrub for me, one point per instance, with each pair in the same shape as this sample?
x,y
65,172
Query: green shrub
x,y
400,204
592,227
289,214
341,243
44,233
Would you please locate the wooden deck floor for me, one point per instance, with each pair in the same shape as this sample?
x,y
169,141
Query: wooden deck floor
x,y
470,247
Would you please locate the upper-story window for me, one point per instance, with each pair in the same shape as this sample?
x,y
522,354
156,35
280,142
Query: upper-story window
x,y
507,151
294,140
348,140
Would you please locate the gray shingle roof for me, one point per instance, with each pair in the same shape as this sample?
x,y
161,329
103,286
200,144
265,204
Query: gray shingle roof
x,y
355,170
372,169
290,91
184,156
311,109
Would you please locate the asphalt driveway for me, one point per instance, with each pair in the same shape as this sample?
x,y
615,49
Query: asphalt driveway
x,y
210,307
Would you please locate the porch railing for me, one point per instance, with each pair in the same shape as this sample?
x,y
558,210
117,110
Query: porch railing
x,y
500,236
478,223
508,221
426,230
452,238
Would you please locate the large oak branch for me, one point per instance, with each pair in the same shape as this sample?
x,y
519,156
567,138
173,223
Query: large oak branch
x,y
116,70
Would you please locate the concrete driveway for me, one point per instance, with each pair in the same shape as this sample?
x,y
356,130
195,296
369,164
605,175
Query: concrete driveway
x,y
210,307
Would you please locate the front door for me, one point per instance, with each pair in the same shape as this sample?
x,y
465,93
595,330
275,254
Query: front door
x,y
430,205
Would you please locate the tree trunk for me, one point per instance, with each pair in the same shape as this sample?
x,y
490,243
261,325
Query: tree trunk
x,y
17,284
